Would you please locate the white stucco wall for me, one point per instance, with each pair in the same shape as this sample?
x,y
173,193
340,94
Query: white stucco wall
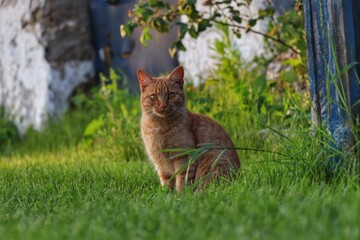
x,y
31,88
24,72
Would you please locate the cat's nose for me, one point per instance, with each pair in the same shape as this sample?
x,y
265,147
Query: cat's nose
x,y
163,106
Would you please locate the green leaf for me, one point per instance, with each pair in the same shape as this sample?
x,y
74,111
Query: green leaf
x,y
203,24
145,36
265,13
234,12
289,76
259,84
124,111
220,47
183,28
143,12
161,25
239,4
237,33
127,29
237,19
180,46
191,12
193,33
252,22
153,3
294,62
93,126
182,5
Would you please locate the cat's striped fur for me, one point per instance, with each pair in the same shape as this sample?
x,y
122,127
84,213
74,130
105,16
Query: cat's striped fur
x,y
166,123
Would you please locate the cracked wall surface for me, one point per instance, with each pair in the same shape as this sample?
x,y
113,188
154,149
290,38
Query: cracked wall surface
x,y
45,53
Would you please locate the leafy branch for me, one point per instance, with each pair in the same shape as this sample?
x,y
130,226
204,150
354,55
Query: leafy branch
x,y
162,16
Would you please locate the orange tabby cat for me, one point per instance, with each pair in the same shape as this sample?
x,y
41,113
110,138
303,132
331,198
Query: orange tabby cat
x,y
166,123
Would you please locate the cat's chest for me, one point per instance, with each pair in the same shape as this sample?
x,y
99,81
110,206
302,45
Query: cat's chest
x,y
157,137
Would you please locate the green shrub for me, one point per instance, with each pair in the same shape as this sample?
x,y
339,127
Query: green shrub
x,y
8,131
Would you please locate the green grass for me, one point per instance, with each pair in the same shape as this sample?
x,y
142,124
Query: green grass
x,y
81,193
58,185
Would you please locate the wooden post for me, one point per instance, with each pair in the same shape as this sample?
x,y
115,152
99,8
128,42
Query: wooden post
x,y
333,40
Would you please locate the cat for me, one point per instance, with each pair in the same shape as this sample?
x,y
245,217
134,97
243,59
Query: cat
x,y
166,123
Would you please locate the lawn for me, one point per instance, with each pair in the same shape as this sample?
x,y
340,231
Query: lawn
x,y
86,175
82,193
64,184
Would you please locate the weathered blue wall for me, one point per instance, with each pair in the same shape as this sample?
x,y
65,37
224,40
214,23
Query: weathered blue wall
x,y
333,38
126,54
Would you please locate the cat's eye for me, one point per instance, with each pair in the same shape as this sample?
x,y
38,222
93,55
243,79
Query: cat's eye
x,y
171,95
153,97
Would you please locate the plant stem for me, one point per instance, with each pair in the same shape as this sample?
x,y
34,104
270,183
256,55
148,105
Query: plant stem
x,y
276,39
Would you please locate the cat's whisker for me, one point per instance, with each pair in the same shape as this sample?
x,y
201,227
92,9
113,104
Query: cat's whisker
x,y
180,112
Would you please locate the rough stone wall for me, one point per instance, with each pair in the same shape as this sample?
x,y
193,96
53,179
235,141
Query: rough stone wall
x,y
24,72
45,53
68,49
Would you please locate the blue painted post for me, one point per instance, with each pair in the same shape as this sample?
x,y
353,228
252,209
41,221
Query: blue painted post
x,y
333,40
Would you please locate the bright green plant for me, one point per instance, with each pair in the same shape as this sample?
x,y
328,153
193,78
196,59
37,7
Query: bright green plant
x,y
292,26
115,128
8,131
248,92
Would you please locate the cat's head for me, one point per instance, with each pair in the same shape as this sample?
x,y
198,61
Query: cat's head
x,y
162,96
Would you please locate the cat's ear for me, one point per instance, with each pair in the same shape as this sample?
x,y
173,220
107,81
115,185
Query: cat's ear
x,y
177,76
144,79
